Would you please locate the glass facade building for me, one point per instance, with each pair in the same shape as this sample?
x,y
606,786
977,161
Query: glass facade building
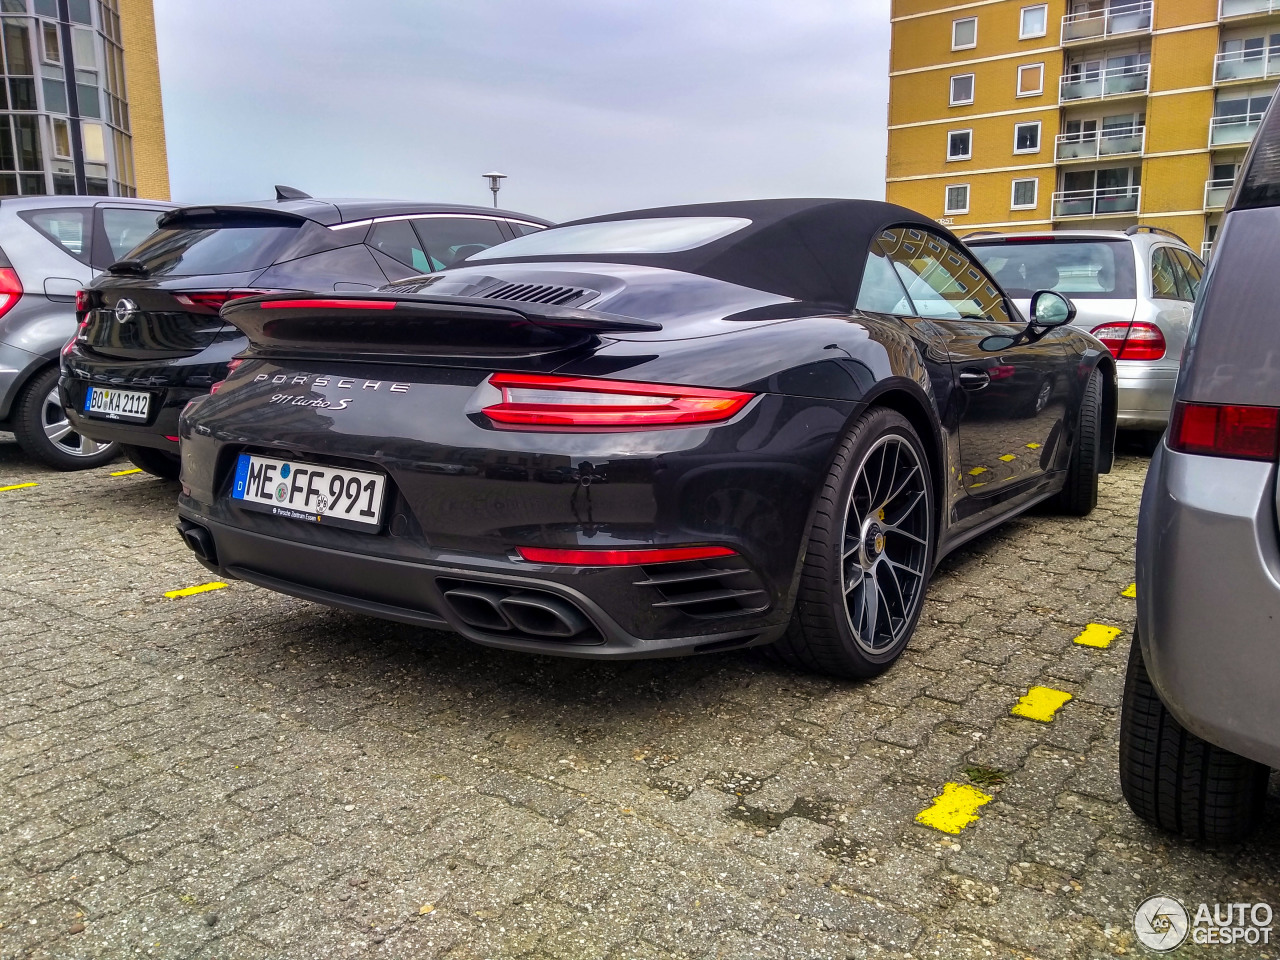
x,y
64,112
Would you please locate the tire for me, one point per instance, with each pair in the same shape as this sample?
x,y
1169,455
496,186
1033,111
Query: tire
x,y
869,555
158,463
1176,781
1080,493
43,432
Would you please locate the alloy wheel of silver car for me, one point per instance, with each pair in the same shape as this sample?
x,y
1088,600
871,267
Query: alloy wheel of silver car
x,y
60,433
886,544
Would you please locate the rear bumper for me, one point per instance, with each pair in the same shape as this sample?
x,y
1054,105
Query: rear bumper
x,y
1209,598
427,594
172,385
16,366
1145,395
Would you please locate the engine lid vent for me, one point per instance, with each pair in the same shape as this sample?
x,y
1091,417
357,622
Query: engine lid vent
x,y
549,293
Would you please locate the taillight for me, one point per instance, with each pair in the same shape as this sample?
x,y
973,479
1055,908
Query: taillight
x,y
80,334
10,289
231,368
595,557
1223,430
84,299
328,304
537,401
1132,341
214,299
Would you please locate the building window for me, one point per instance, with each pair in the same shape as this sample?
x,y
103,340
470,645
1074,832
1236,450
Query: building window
x,y
957,200
959,144
1026,137
964,33
1031,79
1024,194
962,89
1035,22
61,138
50,42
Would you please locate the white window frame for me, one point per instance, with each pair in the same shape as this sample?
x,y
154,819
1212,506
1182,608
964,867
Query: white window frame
x,y
1038,91
1039,137
1022,21
967,156
951,89
964,46
1013,193
946,200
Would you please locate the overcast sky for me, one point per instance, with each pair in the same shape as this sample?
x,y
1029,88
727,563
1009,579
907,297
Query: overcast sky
x,y
589,106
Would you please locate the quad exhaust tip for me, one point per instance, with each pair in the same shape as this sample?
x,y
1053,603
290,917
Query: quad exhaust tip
x,y
198,540
496,609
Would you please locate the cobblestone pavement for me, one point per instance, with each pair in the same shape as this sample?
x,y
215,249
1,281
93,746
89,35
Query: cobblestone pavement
x,y
237,774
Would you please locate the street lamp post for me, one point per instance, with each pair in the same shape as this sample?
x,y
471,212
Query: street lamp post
x,y
495,183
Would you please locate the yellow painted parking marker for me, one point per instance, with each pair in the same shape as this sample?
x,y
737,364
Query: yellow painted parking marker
x,y
977,471
1033,446
1040,703
1131,591
192,591
125,473
18,486
1008,458
1098,635
954,809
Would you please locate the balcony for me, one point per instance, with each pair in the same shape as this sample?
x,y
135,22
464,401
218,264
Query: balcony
x,y
1101,202
1246,8
1108,84
1245,65
1114,21
1118,142
1234,130
1216,193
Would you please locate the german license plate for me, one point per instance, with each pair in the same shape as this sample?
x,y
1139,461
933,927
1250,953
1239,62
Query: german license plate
x,y
333,496
117,404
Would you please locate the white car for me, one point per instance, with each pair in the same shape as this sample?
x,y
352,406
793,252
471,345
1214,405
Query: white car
x,y
1134,290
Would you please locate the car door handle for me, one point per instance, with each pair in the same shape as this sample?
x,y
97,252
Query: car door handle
x,y
974,379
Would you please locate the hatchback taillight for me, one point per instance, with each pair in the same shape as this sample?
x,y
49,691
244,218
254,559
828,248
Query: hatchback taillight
x,y
10,289
214,299
1225,430
1132,341
542,402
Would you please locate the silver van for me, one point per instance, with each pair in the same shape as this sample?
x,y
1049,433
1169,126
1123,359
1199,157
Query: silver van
x,y
1133,290
1200,722
51,247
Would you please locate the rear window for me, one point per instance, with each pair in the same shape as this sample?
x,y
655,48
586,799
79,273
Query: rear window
x,y
650,235
193,248
1082,269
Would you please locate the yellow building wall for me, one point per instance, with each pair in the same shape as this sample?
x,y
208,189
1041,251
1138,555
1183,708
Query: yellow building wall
x,y
920,114
146,108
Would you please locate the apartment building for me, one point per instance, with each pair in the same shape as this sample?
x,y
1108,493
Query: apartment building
x,y
1010,115
80,107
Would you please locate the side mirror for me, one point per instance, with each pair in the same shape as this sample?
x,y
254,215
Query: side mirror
x,y
1051,309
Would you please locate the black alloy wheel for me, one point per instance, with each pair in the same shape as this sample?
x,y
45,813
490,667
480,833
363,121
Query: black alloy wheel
x,y
43,431
870,553
1079,494
158,463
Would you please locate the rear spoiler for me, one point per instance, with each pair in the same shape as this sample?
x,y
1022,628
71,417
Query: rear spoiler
x,y
408,325
229,212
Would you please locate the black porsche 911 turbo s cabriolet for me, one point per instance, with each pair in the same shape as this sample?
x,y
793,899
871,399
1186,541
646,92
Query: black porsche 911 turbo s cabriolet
x,y
659,432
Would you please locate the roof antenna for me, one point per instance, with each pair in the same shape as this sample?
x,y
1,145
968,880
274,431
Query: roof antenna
x,y
290,193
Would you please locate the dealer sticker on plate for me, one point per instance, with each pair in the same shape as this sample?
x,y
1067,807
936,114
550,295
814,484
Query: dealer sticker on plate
x,y
309,491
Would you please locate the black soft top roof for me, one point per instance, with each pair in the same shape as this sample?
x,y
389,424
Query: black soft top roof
x,y
807,249
329,212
